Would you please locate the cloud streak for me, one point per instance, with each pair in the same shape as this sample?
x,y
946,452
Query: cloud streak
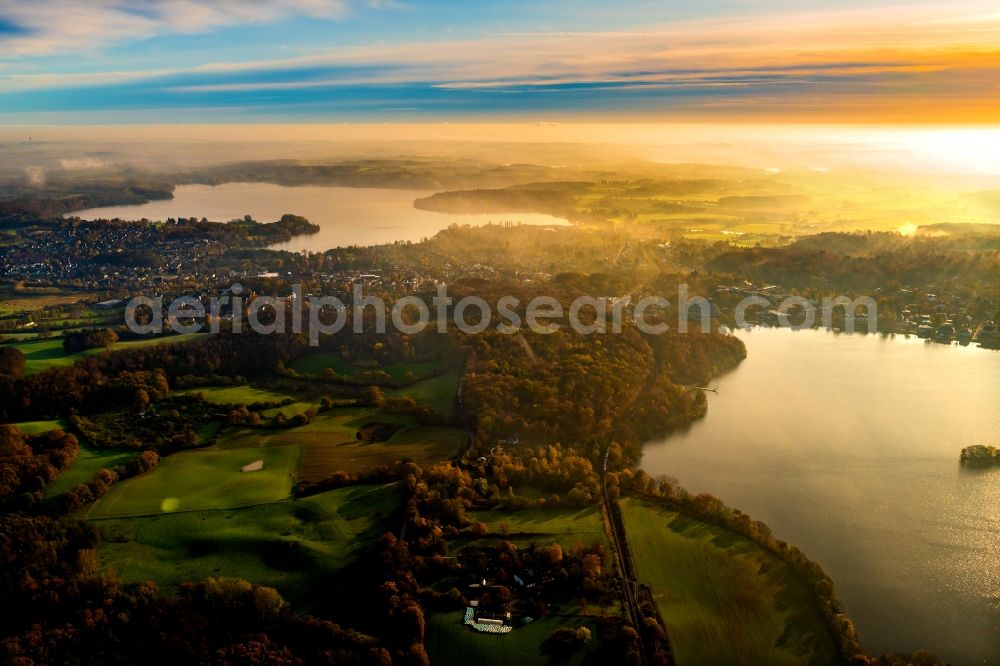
x,y
46,26
917,63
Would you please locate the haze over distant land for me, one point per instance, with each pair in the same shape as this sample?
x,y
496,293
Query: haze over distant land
x,y
957,150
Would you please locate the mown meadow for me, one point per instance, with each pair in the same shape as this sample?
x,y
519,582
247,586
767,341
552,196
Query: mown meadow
x,y
290,544
724,599
197,514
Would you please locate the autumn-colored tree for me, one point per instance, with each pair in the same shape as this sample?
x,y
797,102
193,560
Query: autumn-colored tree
x,y
11,361
373,396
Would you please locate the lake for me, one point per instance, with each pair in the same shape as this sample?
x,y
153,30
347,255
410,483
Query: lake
x,y
346,215
847,446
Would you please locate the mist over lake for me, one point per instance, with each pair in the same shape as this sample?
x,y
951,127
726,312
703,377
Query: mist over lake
x,y
847,447
346,215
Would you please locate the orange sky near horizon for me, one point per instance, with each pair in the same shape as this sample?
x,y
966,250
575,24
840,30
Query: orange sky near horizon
x,y
915,63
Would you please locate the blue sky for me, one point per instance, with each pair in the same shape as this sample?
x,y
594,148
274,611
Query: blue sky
x,y
70,61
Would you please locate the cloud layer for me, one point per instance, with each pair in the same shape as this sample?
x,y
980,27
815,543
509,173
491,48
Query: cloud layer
x,y
919,63
37,27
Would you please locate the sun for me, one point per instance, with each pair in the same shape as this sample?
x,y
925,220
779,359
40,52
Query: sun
x,y
970,150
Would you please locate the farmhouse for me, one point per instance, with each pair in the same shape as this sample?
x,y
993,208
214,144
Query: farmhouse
x,y
486,612
493,621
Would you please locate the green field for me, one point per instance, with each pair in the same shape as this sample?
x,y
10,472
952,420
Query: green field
x,y
289,545
16,337
449,642
166,340
29,300
328,443
334,426
88,462
438,393
202,479
250,395
206,431
41,355
289,410
35,427
565,526
425,445
724,599
236,395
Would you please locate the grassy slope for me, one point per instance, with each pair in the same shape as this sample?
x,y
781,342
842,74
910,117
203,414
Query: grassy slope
x,y
35,427
426,445
30,301
249,395
86,465
565,526
338,425
328,443
449,642
724,599
236,395
289,410
6,338
438,393
41,355
288,544
202,479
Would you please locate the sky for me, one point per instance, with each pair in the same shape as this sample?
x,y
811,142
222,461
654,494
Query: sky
x,y
298,61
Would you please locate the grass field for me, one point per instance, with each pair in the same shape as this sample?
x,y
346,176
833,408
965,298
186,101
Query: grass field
x,y
249,395
27,301
328,443
724,599
335,426
451,643
426,445
289,545
438,393
86,465
289,410
206,431
565,526
35,427
202,479
236,395
41,355
6,338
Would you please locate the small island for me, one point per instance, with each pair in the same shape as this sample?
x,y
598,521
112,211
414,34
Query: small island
x,y
980,455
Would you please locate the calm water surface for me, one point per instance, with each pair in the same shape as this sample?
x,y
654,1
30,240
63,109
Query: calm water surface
x,y
346,215
847,446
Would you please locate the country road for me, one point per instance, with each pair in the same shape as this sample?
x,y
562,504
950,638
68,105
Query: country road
x,y
625,566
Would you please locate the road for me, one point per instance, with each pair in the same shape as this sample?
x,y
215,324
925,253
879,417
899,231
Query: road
x,y
618,538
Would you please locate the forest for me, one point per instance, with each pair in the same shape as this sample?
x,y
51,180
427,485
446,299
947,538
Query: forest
x,y
177,494
125,399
